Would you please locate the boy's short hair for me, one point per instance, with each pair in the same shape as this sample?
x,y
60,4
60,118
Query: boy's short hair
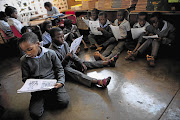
x,y
143,14
10,10
53,30
157,14
47,4
45,23
123,11
23,29
103,14
95,10
2,15
30,37
67,22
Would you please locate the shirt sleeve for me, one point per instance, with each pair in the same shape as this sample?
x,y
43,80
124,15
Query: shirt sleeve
x,y
56,11
58,68
128,27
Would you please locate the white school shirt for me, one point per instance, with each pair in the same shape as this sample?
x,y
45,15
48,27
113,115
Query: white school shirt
x,y
5,26
16,23
54,11
46,38
137,25
124,27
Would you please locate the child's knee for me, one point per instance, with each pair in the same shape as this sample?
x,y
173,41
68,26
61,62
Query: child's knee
x,y
36,113
63,103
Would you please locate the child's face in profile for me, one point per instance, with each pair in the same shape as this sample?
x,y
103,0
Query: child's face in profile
x,y
48,27
14,14
48,8
94,15
31,49
155,22
59,37
120,16
141,20
102,19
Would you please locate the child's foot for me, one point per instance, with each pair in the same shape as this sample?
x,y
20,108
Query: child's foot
x,y
150,60
104,82
113,60
130,56
98,56
99,48
85,48
92,47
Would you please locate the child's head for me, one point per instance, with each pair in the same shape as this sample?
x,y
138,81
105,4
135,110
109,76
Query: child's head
x,y
57,36
102,18
121,14
94,14
3,16
29,43
48,6
67,23
156,19
11,12
142,18
47,25
25,29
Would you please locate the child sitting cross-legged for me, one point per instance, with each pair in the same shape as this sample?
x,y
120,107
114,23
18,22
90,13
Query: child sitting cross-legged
x,y
73,65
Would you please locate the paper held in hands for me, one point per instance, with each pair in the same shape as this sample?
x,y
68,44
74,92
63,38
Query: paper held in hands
x,y
93,25
116,32
152,36
75,44
136,32
33,85
86,21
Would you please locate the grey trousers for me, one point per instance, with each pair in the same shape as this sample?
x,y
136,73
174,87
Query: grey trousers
x,y
150,42
81,77
100,40
55,98
114,49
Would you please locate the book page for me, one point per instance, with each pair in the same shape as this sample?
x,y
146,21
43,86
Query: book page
x,y
32,85
93,25
116,32
75,44
86,21
136,32
152,36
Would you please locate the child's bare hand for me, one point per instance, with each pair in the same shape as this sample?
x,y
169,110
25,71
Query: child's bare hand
x,y
100,29
84,68
58,85
69,55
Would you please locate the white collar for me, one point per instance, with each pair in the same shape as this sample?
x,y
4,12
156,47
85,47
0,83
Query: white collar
x,y
165,25
44,50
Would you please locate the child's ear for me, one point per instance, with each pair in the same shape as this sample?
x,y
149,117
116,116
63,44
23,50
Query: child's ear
x,y
38,43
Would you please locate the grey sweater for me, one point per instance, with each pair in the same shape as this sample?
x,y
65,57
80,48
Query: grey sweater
x,y
47,66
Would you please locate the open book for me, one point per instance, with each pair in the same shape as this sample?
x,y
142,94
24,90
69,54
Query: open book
x,y
136,32
93,25
33,85
75,44
116,32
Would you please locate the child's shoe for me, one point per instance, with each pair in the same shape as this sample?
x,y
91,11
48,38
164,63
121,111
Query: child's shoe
x,y
150,60
130,56
113,60
104,82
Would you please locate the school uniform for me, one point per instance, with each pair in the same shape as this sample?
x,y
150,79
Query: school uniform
x,y
45,66
137,25
105,39
118,46
54,11
71,67
16,23
6,28
167,33
46,38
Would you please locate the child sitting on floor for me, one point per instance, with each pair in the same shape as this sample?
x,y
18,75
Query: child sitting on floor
x,y
42,63
102,41
12,20
46,38
4,25
116,48
73,32
165,32
73,65
25,29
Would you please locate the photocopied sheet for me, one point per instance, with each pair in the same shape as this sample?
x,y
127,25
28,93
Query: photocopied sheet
x,y
75,44
136,32
33,85
93,25
116,32
86,21
152,36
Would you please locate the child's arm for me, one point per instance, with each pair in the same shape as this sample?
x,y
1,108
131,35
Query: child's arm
x,y
107,33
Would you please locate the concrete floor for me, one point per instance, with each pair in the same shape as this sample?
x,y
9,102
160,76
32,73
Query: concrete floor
x,y
136,92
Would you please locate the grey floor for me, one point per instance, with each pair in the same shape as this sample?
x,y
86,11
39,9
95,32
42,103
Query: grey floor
x,y
136,92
